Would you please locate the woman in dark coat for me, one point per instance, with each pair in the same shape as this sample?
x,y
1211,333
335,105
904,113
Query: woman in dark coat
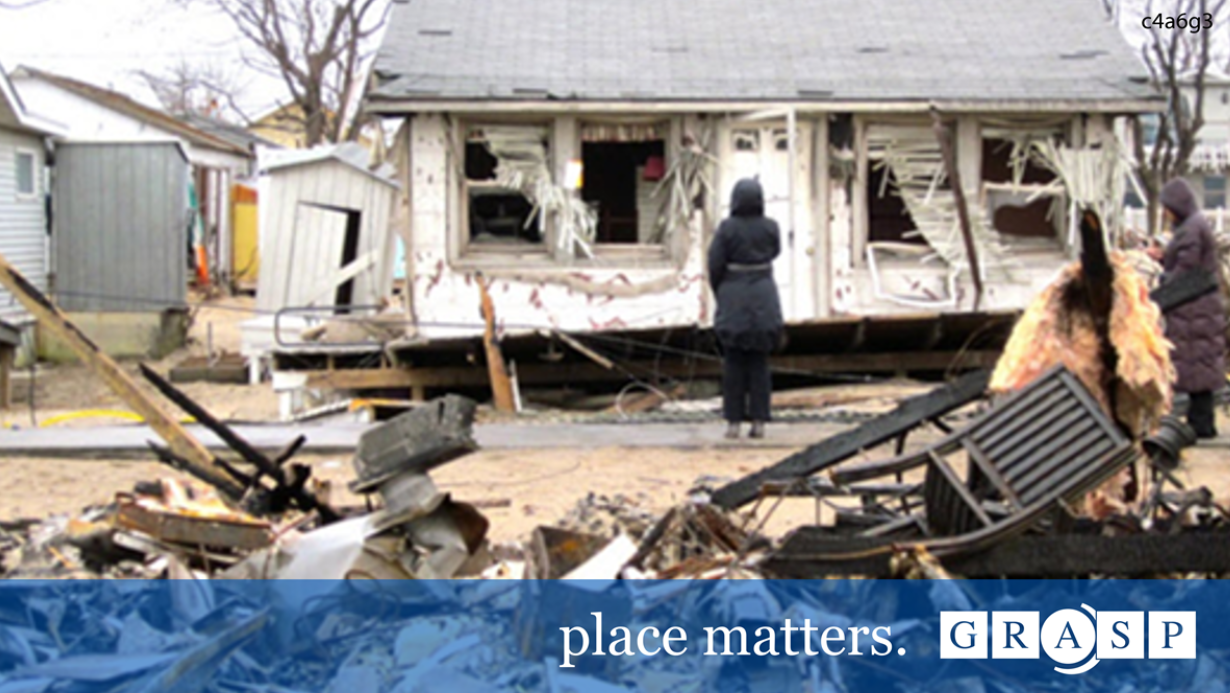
x,y
749,315
1197,329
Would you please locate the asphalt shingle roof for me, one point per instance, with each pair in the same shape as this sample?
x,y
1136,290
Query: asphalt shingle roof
x,y
788,50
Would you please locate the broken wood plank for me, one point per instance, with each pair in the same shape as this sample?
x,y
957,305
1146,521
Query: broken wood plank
x,y
230,369
907,415
958,193
198,460
1027,556
7,357
585,351
497,370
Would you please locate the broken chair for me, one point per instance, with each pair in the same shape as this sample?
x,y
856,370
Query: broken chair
x,y
1031,453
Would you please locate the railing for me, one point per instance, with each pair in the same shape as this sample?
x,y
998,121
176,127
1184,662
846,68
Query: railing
x,y
1137,218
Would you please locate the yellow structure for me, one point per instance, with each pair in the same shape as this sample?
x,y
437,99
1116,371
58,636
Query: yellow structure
x,y
245,243
284,126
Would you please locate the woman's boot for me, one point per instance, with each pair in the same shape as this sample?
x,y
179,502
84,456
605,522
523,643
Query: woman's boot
x,y
732,430
757,430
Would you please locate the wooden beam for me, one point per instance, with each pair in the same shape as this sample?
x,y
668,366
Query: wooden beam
x,y
497,370
958,194
7,356
197,460
907,415
530,374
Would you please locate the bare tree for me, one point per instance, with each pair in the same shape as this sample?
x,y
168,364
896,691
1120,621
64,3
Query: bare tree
x,y
317,48
1179,53
202,89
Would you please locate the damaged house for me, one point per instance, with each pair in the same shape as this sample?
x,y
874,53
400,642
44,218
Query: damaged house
x,y
580,155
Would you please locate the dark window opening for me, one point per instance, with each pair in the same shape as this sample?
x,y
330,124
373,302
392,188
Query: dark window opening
x,y
1011,215
350,253
887,216
480,164
997,165
497,215
619,180
500,215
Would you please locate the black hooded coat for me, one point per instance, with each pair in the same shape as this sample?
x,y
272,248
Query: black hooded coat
x,y
1197,329
749,312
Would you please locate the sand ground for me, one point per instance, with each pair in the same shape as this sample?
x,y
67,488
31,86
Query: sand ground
x,y
540,486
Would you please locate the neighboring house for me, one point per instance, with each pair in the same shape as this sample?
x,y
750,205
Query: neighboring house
x,y
284,125
1209,165
23,198
230,132
513,110
92,114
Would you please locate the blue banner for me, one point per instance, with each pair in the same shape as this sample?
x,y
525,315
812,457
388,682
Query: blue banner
x,y
652,636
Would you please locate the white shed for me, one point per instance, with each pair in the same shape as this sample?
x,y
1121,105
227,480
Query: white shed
x,y
325,237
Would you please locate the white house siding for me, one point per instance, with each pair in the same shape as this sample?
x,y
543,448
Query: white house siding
x,y
823,273
301,239
445,297
23,221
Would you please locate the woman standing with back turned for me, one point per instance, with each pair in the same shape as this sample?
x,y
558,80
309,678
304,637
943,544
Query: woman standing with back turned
x,y
749,315
1197,329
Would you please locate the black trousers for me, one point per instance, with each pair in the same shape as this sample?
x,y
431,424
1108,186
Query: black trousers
x,y
1200,414
746,385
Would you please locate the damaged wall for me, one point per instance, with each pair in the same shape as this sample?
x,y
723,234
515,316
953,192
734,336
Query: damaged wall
x,y
532,288
824,270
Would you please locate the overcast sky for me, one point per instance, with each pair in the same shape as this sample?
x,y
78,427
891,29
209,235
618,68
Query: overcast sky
x,y
106,41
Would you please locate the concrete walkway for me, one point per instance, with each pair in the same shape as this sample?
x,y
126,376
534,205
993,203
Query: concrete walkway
x,y
124,442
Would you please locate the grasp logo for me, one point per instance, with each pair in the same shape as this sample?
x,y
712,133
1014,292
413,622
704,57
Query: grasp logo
x,y
1069,637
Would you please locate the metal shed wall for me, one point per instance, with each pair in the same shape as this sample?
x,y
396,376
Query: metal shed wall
x,y
120,227
300,245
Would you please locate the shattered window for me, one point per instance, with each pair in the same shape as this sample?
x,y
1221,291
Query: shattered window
x,y
623,168
1010,179
499,213
887,216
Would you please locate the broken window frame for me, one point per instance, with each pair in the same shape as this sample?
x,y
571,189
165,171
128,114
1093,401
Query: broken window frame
x,y
1019,135
496,253
671,129
860,193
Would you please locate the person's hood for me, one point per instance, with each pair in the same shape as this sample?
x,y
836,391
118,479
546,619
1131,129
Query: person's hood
x,y
1180,199
747,199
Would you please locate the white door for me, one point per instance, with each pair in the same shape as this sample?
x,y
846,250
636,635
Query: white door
x,y
763,152
319,238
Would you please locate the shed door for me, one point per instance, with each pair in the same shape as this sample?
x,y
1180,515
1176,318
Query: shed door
x,y
319,244
764,153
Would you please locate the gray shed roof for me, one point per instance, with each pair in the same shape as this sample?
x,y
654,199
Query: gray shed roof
x,y
735,50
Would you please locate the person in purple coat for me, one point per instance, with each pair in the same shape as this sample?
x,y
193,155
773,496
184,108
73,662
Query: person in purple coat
x,y
1197,329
